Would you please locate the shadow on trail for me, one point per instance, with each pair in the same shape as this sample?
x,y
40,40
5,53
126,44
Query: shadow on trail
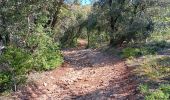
x,y
116,90
87,74
83,58
121,88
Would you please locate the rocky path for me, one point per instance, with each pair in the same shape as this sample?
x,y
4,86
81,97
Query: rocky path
x,y
86,75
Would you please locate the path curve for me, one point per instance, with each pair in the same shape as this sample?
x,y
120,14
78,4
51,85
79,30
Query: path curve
x,y
87,74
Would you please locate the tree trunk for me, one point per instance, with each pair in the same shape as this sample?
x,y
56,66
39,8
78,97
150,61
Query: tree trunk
x,y
114,40
55,16
88,39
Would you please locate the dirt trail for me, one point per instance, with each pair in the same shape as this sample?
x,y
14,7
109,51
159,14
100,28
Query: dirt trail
x,y
86,75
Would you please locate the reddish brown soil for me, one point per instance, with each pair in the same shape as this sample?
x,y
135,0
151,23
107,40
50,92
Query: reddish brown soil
x,y
86,75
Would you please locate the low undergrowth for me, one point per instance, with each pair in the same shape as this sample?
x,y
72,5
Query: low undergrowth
x,y
151,66
16,63
153,72
160,93
150,48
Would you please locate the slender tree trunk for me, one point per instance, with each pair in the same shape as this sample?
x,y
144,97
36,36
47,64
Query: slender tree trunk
x,y
88,39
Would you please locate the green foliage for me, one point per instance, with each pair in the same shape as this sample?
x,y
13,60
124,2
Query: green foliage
x,y
156,71
144,88
157,95
5,81
146,49
47,55
28,35
162,93
74,22
17,59
156,68
97,39
160,36
131,52
121,20
136,52
158,44
17,64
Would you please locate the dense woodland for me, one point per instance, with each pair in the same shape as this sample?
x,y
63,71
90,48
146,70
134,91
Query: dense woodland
x,y
34,32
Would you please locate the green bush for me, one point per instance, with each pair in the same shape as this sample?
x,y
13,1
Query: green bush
x,y
47,58
17,60
5,81
151,48
47,55
162,93
20,61
158,44
144,88
157,95
17,65
131,52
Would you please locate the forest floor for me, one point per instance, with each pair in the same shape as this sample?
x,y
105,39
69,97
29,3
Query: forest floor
x,y
86,74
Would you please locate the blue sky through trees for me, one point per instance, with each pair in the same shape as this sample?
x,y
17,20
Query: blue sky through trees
x,y
86,2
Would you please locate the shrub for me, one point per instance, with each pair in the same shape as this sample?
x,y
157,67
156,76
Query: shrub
x,y
47,58
162,93
5,81
17,65
131,52
147,49
18,62
158,44
144,88
157,95
47,55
